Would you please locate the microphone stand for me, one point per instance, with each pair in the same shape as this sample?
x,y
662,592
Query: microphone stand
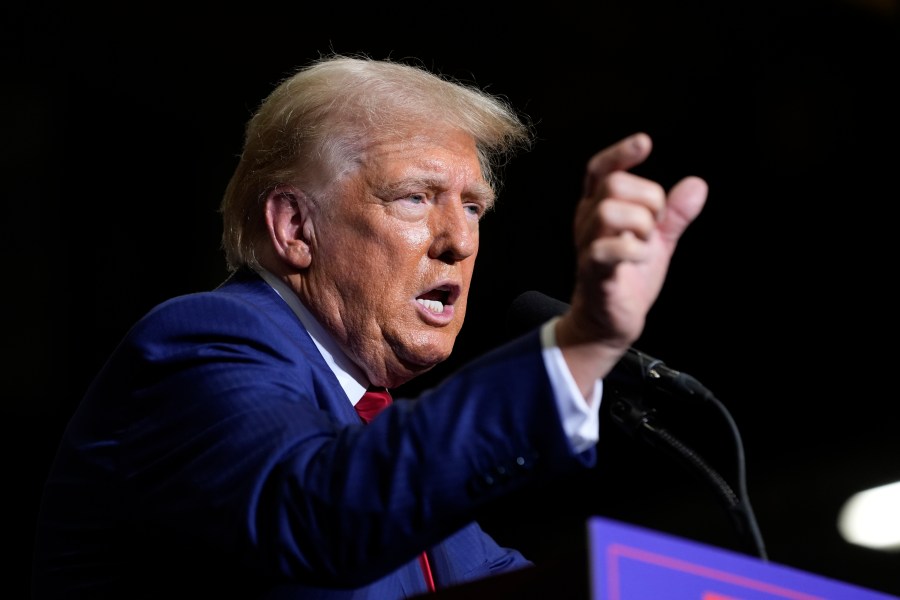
x,y
629,412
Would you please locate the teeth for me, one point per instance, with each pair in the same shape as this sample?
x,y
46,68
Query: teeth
x,y
432,305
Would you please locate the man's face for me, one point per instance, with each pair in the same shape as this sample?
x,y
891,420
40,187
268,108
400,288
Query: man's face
x,y
394,250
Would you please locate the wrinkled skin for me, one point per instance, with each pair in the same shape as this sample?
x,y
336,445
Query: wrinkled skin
x,y
385,263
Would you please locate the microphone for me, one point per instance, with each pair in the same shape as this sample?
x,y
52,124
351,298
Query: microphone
x,y
532,308
639,370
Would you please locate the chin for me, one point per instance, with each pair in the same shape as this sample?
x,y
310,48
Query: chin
x,y
423,357
422,350
429,360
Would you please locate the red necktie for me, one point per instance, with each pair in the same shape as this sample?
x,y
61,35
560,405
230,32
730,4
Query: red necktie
x,y
373,402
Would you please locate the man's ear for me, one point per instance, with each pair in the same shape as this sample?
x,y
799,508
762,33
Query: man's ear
x,y
289,221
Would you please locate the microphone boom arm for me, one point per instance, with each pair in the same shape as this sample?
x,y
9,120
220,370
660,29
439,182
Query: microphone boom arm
x,y
631,415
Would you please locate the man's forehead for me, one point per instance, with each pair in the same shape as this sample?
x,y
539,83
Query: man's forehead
x,y
438,164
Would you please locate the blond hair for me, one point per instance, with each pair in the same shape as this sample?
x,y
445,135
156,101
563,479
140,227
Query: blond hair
x,y
317,122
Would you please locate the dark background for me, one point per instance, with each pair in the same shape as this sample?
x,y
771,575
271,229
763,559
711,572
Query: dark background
x,y
121,127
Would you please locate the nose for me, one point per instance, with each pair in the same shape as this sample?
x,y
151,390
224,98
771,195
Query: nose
x,y
454,233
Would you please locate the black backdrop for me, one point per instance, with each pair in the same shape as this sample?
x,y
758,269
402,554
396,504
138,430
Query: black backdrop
x,y
121,127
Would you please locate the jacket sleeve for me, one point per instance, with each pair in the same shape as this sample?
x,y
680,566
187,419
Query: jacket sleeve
x,y
236,446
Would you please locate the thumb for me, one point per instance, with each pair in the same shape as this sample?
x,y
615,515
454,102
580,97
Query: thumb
x,y
686,200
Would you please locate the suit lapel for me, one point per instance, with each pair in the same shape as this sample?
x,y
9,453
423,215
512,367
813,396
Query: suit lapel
x,y
253,289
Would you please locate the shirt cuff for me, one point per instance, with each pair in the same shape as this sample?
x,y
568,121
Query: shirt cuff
x,y
580,419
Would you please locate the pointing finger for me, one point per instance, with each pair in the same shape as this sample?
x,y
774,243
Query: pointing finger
x,y
622,155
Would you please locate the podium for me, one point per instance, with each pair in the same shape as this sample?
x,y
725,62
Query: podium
x,y
625,562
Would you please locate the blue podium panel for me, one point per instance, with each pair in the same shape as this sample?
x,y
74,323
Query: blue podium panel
x,y
632,563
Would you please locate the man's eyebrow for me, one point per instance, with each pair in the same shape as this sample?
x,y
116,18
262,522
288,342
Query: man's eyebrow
x,y
478,191
483,192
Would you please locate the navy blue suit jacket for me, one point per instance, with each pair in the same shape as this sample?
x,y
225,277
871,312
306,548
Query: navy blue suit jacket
x,y
216,453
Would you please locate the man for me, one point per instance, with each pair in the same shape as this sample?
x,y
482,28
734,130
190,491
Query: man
x,y
219,451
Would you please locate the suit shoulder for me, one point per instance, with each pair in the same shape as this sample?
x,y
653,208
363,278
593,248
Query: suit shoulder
x,y
253,317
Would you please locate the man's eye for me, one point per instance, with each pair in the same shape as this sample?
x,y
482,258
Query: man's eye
x,y
475,209
417,198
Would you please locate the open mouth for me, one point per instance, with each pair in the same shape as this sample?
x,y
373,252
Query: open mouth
x,y
437,299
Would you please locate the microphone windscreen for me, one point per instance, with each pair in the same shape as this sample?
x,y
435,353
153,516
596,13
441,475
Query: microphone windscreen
x,y
531,309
